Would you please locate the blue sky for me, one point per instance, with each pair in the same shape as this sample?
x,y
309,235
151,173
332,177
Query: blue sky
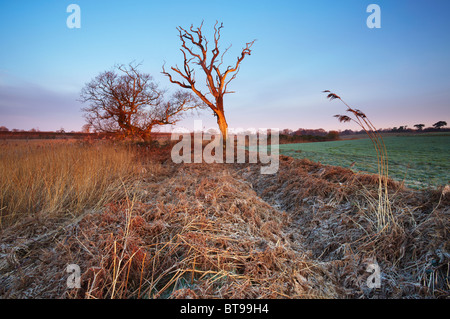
x,y
398,74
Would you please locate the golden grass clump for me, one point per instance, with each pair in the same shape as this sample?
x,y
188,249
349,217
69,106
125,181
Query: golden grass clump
x,y
53,177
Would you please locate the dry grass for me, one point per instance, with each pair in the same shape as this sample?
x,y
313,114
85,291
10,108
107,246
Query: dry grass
x,y
201,236
53,177
226,231
333,210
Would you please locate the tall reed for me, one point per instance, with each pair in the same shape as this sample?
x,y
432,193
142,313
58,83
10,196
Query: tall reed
x,y
384,212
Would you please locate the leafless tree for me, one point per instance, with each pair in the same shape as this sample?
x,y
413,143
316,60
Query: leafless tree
x,y
194,47
128,102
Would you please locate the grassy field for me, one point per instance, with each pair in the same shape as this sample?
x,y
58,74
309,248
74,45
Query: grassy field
x,y
419,161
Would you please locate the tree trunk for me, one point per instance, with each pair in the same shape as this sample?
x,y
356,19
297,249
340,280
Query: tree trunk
x,y
223,126
221,121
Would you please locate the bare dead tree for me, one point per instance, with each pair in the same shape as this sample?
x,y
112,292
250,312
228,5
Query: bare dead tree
x,y
128,102
194,47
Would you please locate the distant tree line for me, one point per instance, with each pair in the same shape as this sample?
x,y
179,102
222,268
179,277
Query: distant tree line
x,y
317,135
307,135
439,126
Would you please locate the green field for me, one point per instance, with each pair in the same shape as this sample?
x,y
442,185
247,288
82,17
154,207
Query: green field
x,y
419,161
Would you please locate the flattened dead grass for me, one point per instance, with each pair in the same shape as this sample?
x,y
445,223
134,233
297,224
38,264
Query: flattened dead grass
x,y
201,236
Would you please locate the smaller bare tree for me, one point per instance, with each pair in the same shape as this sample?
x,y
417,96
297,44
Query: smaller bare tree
x,y
128,102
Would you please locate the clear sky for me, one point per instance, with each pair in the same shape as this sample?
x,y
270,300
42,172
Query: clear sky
x,y
398,74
